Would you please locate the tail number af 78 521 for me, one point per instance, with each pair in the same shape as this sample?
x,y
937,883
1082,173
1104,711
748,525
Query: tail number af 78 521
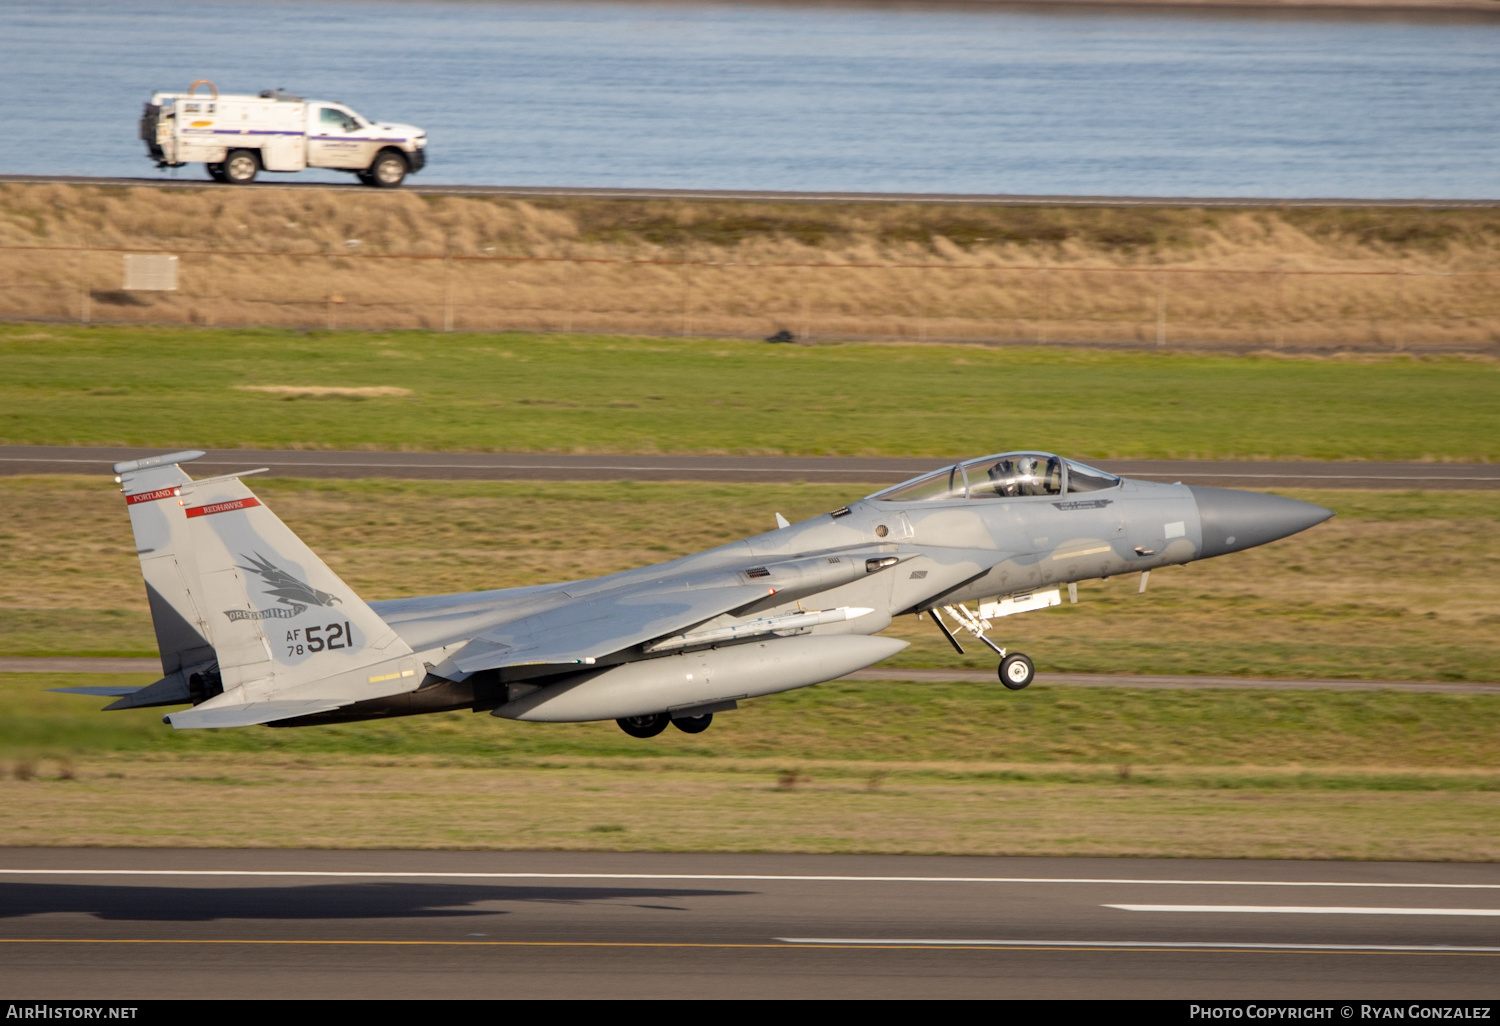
x,y
301,641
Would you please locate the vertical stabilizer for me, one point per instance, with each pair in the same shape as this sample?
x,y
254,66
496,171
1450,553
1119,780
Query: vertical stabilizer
x,y
285,628
151,488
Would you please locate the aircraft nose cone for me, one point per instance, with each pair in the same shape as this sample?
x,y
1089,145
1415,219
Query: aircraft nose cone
x,y
1233,520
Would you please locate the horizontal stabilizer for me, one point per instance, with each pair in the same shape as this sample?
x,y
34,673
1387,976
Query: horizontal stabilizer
x,y
172,689
248,715
102,692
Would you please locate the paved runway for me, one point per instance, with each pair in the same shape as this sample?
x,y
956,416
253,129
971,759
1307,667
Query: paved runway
x,y
198,181
87,664
81,923
873,471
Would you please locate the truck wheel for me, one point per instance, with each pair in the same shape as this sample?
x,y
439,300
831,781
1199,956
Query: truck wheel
x,y
216,172
241,167
388,171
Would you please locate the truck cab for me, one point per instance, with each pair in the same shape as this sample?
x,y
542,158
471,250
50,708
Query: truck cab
x,y
238,137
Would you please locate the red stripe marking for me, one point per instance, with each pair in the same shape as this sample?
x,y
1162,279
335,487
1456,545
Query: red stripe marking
x,y
221,507
160,493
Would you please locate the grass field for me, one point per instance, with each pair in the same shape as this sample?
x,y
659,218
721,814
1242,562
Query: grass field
x,y
517,392
335,802
839,768
862,726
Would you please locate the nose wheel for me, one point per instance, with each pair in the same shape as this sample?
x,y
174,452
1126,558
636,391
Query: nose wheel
x,y
1016,671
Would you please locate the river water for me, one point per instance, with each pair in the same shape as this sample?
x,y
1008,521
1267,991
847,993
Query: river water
x,y
762,96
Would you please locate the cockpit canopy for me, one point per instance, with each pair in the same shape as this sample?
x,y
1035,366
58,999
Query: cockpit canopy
x,y
1006,475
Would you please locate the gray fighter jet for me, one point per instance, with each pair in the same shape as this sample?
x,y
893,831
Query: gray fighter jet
x,y
254,628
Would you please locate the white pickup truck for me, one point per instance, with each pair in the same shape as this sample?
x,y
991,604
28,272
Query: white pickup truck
x,y
238,137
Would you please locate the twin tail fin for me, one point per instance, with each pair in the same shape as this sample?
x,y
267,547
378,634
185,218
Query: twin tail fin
x,y
239,601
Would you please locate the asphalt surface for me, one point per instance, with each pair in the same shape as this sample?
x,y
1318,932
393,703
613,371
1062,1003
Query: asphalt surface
x,y
194,179
88,664
874,471
79,923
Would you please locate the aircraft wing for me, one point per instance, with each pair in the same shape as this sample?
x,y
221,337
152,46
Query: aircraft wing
x,y
592,627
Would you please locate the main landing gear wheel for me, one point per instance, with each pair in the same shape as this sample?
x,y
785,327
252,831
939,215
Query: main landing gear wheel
x,y
241,167
693,724
1016,671
644,726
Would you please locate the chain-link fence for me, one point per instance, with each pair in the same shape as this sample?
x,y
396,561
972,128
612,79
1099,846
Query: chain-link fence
x,y
1389,309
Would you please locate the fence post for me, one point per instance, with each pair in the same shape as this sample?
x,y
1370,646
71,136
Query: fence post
x,y
1161,311
806,317
334,298
1041,305
1400,307
448,292
210,290
1280,311
83,286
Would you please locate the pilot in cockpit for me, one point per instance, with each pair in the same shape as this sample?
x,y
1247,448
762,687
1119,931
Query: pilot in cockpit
x,y
1026,475
1034,479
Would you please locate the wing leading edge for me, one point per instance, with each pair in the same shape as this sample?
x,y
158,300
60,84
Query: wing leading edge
x,y
590,629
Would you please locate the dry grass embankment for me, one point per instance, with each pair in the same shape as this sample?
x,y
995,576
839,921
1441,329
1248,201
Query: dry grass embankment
x,y
1301,278
705,805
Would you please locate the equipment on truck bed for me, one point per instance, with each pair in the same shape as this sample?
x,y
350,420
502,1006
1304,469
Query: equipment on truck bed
x,y
237,137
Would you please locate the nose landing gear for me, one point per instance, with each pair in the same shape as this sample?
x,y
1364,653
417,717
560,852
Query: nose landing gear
x,y
1016,670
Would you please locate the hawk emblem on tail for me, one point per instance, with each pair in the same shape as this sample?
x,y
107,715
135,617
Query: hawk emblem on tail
x,y
287,589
